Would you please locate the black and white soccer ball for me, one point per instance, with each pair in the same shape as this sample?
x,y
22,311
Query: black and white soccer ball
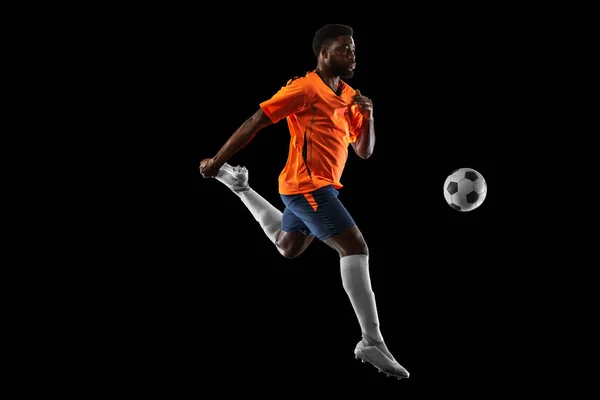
x,y
465,189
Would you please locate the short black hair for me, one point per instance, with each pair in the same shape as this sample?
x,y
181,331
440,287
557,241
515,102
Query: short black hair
x,y
327,33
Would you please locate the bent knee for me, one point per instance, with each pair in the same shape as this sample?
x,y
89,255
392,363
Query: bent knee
x,y
290,251
289,254
291,245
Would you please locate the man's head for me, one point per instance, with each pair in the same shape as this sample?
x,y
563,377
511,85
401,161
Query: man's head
x,y
333,46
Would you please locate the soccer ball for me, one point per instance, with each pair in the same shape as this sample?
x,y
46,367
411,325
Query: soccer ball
x,y
465,189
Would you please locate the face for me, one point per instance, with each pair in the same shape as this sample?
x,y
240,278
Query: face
x,y
342,57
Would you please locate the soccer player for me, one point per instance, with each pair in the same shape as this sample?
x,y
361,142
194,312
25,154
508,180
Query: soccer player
x,y
324,116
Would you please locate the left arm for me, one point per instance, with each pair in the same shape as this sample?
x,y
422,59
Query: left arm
x,y
365,141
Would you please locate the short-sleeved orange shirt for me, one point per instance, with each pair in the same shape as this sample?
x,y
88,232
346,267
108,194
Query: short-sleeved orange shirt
x,y
321,124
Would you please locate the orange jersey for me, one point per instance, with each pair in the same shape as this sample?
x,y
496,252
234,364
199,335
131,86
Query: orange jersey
x,y
321,124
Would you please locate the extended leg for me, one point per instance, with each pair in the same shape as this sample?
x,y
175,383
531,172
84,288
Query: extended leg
x,y
354,268
357,283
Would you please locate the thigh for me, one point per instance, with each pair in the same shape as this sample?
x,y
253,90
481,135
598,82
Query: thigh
x,y
291,223
295,236
348,242
320,211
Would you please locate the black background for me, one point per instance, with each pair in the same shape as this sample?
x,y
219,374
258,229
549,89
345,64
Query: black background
x,y
222,307
439,94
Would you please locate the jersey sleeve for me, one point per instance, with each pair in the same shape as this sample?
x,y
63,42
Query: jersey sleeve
x,y
291,98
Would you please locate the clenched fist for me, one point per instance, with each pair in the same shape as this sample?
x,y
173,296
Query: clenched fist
x,y
365,105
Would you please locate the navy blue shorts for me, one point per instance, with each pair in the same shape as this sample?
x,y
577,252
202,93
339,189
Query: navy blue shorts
x,y
318,213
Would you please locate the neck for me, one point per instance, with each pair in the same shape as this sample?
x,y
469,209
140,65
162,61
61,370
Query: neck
x,y
332,81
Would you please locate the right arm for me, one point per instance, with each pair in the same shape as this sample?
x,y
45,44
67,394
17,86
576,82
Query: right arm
x,y
209,167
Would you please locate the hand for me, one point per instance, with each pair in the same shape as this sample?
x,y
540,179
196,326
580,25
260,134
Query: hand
x,y
365,105
208,168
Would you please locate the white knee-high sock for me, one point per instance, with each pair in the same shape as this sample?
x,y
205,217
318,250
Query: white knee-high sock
x,y
357,283
264,212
